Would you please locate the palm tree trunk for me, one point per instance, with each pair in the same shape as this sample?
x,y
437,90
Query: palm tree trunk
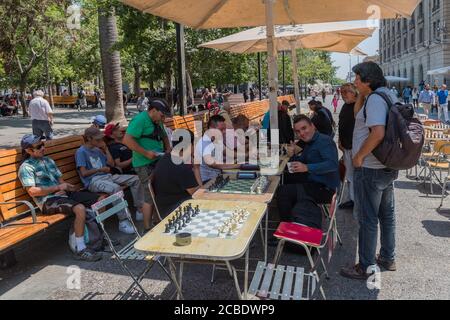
x,y
112,73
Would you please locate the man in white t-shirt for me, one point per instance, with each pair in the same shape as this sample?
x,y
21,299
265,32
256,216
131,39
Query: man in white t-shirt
x,y
212,164
41,116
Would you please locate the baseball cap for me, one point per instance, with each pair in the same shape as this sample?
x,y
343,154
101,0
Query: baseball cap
x,y
110,128
99,120
160,105
28,140
93,133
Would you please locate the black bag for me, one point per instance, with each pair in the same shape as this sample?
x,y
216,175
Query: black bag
x,y
404,138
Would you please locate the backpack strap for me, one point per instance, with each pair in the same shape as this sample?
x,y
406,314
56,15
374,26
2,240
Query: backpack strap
x,y
382,95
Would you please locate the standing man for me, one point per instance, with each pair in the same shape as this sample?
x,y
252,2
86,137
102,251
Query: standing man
x,y
426,98
346,127
142,102
146,137
41,116
407,92
443,102
373,182
324,95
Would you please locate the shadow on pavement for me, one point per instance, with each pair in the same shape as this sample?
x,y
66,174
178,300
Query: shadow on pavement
x,y
437,228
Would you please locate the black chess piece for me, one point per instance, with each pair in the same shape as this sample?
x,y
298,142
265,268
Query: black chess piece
x,y
167,228
175,230
184,224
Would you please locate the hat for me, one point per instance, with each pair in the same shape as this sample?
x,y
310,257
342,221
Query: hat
x,y
110,128
93,133
28,140
99,120
160,105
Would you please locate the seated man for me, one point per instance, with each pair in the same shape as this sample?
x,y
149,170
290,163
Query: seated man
x,y
174,180
120,153
94,162
317,178
43,181
99,121
210,168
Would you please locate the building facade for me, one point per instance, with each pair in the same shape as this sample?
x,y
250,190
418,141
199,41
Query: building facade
x,y
409,48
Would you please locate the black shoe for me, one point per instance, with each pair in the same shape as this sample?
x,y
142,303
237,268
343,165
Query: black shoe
x,y
386,264
347,205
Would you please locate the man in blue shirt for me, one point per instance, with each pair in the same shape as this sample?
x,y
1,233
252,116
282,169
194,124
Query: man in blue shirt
x,y
94,162
407,92
443,102
316,176
426,98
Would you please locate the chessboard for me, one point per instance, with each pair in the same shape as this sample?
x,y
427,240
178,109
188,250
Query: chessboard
x,y
239,186
207,223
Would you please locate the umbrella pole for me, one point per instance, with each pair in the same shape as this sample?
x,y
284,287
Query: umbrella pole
x,y
259,76
295,75
272,64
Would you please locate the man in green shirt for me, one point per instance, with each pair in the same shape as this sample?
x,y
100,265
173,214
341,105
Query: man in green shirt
x,y
148,140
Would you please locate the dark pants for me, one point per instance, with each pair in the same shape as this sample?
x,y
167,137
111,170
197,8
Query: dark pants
x,y
374,203
42,128
299,202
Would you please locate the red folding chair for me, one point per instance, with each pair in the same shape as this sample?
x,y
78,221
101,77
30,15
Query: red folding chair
x,y
309,238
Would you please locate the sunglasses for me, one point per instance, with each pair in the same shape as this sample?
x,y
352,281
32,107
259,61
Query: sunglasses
x,y
39,146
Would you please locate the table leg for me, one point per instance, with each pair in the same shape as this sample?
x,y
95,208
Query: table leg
x,y
266,237
180,280
247,253
173,273
236,282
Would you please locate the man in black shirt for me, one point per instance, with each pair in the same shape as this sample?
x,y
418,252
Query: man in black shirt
x,y
175,181
286,132
121,154
321,119
346,126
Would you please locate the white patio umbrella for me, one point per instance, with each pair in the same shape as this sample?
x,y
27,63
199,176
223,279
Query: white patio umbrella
x,y
396,79
333,37
204,14
440,71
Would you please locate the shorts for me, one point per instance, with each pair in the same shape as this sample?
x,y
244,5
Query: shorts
x,y
64,205
144,173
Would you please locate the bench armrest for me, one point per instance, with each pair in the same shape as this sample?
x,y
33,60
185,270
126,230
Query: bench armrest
x,y
28,204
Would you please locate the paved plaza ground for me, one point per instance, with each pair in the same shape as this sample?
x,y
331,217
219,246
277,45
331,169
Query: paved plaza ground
x,y
423,252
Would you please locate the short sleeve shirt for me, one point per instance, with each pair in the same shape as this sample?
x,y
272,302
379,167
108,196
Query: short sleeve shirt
x,y
39,109
171,183
122,152
90,159
140,128
205,147
39,173
377,112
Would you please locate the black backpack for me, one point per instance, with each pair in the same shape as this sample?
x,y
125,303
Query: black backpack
x,y
404,137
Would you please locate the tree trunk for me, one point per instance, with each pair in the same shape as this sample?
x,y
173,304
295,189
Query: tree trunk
x,y
70,87
112,73
23,87
137,80
168,84
190,90
47,81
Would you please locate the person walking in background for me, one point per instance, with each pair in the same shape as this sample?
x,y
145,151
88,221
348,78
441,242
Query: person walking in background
x,y
335,102
442,97
406,94
415,98
245,94
142,102
125,103
324,96
426,98
41,116
252,95
435,103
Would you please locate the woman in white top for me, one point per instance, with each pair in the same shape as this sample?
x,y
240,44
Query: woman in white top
x,y
415,97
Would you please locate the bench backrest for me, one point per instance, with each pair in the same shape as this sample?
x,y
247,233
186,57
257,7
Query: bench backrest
x,y
63,99
61,150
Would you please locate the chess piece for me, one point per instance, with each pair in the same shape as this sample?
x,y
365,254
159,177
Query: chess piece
x,y
175,230
167,228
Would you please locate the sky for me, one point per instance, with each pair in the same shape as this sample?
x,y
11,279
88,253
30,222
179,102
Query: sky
x,y
341,60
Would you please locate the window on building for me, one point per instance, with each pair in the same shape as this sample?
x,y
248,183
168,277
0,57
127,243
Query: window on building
x,y
421,10
421,35
412,78
413,39
435,29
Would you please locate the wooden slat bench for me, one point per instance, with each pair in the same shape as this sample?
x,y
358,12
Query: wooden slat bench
x,y
63,100
20,220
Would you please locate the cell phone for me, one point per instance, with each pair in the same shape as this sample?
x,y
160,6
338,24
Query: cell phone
x,y
159,154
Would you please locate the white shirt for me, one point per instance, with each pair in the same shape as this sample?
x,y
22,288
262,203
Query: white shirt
x,y
39,109
205,147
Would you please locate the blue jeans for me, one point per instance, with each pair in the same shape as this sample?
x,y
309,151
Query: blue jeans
x,y
374,201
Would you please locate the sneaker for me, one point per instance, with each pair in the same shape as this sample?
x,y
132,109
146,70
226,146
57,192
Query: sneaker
x,y
354,272
139,216
88,255
126,227
386,264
